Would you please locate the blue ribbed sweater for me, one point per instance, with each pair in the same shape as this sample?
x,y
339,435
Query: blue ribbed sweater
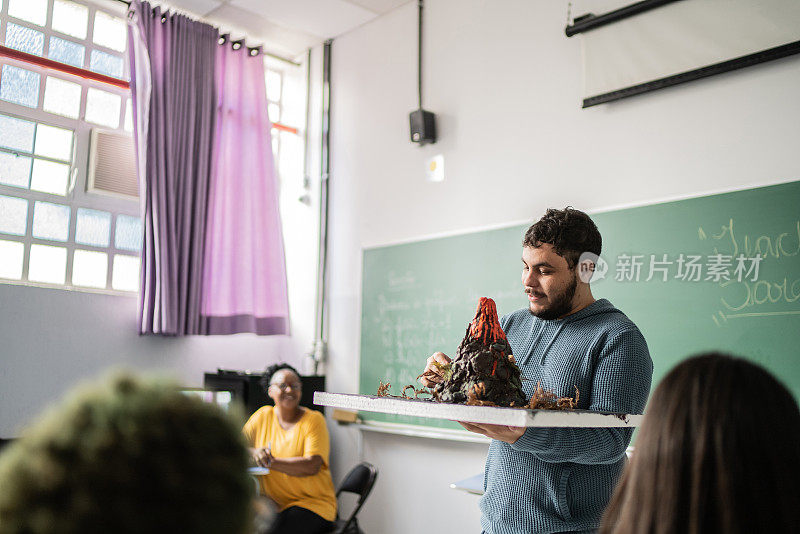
x,y
560,479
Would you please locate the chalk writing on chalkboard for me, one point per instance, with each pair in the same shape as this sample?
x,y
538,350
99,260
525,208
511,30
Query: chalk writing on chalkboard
x,y
745,299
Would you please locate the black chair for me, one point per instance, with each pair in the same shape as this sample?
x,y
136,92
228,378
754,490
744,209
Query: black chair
x,y
359,480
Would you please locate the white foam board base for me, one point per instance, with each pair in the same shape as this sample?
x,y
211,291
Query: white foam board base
x,y
477,414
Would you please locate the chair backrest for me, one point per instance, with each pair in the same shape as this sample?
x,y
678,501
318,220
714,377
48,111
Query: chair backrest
x,y
359,480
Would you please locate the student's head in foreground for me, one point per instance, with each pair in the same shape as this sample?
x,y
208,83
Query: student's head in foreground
x,y
718,451
127,456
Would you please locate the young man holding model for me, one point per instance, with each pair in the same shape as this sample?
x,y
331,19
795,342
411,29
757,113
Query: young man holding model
x,y
549,480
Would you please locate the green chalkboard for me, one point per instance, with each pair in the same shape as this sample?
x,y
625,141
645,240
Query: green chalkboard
x,y
703,292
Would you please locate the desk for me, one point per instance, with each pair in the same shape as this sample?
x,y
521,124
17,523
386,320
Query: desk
x,y
473,484
257,470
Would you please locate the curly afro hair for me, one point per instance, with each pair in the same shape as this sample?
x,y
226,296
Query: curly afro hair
x,y
127,456
270,371
571,233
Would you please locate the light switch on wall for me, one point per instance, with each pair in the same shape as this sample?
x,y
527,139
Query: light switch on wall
x,y
435,169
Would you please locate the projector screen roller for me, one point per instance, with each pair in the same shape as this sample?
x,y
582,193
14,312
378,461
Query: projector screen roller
x,y
681,41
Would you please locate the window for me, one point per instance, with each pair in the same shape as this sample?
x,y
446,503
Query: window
x,y
274,83
52,232
286,92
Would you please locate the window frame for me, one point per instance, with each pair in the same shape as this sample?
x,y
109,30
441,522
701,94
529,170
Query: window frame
x,y
77,196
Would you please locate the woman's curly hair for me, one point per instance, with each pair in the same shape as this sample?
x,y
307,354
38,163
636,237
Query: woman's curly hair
x,y
270,371
127,456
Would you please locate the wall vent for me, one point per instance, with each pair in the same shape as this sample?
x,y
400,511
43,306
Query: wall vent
x,y
112,164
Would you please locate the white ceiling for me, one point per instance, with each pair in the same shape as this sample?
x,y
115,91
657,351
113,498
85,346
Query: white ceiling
x,y
286,27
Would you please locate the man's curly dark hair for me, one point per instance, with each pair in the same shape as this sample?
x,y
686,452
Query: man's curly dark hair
x,y
127,456
571,233
270,371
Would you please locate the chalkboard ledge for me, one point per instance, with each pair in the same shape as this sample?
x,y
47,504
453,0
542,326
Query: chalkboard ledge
x,y
477,414
422,432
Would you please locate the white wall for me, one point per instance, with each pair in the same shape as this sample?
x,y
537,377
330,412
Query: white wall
x,y
506,86
53,339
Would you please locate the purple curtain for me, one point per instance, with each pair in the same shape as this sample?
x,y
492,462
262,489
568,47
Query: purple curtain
x,y
244,282
212,259
177,144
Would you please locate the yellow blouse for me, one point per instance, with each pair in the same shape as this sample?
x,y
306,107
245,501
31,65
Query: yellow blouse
x,y
308,437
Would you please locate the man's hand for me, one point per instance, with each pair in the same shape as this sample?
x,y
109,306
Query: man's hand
x,y
433,374
509,434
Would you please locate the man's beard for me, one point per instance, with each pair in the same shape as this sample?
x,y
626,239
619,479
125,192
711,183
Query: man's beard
x,y
561,304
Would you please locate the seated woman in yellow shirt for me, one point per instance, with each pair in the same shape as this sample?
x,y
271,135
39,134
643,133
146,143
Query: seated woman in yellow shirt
x,y
293,443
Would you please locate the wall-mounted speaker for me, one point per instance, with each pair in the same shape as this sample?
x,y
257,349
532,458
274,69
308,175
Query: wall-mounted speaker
x,y
423,127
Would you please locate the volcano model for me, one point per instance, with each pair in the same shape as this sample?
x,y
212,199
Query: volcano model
x,y
484,371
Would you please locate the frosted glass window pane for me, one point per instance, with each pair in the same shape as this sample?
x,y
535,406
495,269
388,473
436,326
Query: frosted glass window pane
x,y
50,221
11,255
129,115
53,142
273,80
16,134
103,107
15,170
34,11
66,51
13,215
49,177
274,111
89,268
62,97
110,32
125,276
93,227
47,264
24,39
128,235
19,86
107,64
70,18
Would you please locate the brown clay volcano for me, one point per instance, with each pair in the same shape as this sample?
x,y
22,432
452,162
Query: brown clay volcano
x,y
484,370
